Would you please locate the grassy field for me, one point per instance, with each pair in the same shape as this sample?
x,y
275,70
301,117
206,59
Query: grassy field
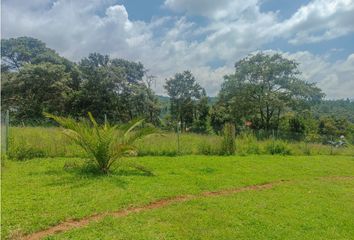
x,y
30,142
313,209
314,204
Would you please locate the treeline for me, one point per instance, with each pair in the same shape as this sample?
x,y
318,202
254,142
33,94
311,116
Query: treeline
x,y
36,79
265,94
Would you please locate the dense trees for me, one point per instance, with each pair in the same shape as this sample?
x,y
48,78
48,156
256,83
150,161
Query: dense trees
x,y
262,88
36,79
264,94
37,88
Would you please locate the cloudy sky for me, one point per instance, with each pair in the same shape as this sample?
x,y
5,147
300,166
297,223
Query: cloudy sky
x,y
204,36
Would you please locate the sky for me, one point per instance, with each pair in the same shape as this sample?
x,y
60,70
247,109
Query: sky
x,y
206,37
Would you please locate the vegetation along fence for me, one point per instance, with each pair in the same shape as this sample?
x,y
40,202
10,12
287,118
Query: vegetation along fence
x,y
5,119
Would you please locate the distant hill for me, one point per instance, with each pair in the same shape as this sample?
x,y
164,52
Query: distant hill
x,y
165,104
166,100
336,108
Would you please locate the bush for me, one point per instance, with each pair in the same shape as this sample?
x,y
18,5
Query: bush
x,y
278,147
306,148
228,145
247,144
104,144
206,148
25,152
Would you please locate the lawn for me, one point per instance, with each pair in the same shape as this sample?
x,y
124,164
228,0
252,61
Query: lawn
x,y
308,209
40,193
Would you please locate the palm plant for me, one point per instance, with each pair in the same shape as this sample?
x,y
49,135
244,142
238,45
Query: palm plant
x,y
104,144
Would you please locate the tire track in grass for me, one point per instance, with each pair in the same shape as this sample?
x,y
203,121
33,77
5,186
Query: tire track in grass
x,y
71,224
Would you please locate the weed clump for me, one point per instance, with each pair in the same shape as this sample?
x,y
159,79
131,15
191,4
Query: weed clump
x,y
25,152
228,146
278,147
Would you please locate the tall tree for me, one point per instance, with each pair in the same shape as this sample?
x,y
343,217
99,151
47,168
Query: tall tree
x,y
15,52
201,116
114,87
184,94
262,88
36,88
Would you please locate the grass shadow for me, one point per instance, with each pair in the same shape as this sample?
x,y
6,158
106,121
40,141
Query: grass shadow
x,y
78,174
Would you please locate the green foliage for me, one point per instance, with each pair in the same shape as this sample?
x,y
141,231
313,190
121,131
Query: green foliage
x,y
228,145
342,108
278,147
262,88
201,122
104,144
53,143
207,148
36,88
25,152
188,102
16,52
247,144
115,87
36,79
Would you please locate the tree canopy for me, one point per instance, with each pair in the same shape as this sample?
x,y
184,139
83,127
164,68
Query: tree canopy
x,y
188,101
266,93
37,79
261,89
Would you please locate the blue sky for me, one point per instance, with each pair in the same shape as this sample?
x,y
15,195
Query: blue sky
x,y
204,36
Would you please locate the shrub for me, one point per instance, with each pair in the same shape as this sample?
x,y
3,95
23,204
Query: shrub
x,y
228,145
278,147
306,149
206,148
24,152
104,144
247,144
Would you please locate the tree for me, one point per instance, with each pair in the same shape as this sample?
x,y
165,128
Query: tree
x,y
201,122
184,94
36,88
16,52
262,88
114,87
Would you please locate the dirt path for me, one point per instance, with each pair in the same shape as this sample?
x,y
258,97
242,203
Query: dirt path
x,y
70,224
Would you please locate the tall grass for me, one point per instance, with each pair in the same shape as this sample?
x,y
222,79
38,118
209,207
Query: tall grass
x,y
50,142
103,144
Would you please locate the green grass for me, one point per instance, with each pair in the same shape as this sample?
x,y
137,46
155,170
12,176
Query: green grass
x,y
50,142
311,209
40,193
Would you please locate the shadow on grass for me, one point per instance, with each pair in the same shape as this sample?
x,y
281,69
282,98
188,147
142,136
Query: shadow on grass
x,y
81,174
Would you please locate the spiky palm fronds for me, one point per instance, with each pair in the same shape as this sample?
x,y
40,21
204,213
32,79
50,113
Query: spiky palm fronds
x,y
104,144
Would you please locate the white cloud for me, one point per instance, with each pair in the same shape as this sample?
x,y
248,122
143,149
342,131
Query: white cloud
x,y
210,8
75,28
318,21
167,45
335,79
